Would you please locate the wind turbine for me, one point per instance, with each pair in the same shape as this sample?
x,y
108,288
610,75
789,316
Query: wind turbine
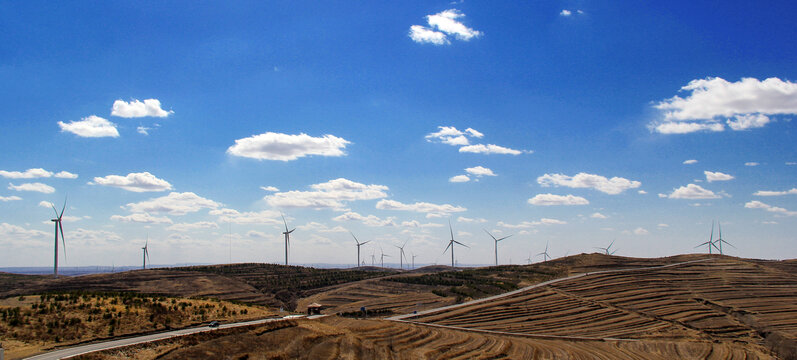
x,y
720,240
383,256
544,254
146,253
607,249
373,257
710,241
496,244
402,257
58,227
452,242
528,260
287,234
413,260
358,245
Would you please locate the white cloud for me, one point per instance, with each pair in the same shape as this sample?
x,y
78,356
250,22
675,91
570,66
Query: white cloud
x,y
473,133
717,176
451,136
174,204
421,34
611,186
269,217
183,227
469,220
479,171
642,192
269,188
489,149
755,204
531,224
314,226
370,220
46,204
692,192
640,231
551,199
92,126
331,194
417,224
143,130
751,163
743,104
9,231
136,108
285,147
82,236
459,179
434,210
135,182
66,175
446,24
37,187
565,12
27,174
689,162
663,225
10,198
143,218
792,191
598,215
256,234
791,163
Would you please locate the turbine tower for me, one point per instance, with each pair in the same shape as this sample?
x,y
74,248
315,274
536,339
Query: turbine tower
x,y
358,246
496,244
544,254
607,250
402,257
58,227
287,234
373,257
451,243
720,240
383,256
145,255
413,260
710,243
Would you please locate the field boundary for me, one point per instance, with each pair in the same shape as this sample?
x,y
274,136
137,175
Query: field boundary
x,y
531,287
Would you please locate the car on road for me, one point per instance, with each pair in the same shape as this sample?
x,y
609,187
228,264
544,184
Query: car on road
x,y
214,324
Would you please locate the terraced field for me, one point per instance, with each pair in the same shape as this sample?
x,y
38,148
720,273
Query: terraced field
x,y
723,299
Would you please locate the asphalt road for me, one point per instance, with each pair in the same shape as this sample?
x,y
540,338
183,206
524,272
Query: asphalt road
x,y
83,349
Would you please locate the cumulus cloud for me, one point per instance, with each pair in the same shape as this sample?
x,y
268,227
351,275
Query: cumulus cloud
x,y
717,176
489,149
314,226
751,163
175,204
143,218
479,171
269,217
565,12
370,220
611,186
459,179
642,192
551,200
269,188
755,204
66,175
743,105
184,227
598,215
136,108
9,231
37,187
442,25
641,231
143,130
792,191
286,147
46,204
531,224
82,236
27,174
452,136
10,198
135,182
434,210
690,162
331,194
92,126
469,220
692,192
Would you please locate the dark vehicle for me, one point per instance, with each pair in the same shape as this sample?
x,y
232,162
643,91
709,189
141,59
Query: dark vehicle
x,y
214,324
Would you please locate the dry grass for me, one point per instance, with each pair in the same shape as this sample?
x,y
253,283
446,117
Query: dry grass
x,y
30,324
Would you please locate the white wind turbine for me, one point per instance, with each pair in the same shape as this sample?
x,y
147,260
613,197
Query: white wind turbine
x,y
710,241
496,244
720,240
383,256
544,254
413,260
402,257
358,246
58,227
452,242
607,250
145,255
287,234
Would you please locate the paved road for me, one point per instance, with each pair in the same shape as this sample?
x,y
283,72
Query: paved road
x,y
83,349
527,288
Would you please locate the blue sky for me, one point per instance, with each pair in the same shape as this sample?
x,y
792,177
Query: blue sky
x,y
574,123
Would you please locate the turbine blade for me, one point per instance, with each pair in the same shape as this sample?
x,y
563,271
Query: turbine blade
x,y
451,229
363,243
491,235
462,244
711,239
355,238
62,238
55,211
291,231
285,222
504,237
63,208
449,245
